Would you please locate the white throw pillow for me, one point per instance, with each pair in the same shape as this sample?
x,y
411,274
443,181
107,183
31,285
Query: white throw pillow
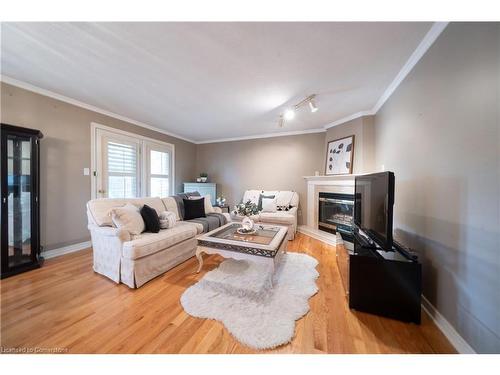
x,y
167,219
208,203
268,205
128,218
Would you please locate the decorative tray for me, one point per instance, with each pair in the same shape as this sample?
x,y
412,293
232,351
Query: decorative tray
x,y
246,231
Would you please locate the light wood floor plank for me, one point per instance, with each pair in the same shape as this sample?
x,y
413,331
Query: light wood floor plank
x,y
66,305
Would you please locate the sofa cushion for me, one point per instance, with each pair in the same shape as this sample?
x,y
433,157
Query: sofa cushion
x,y
99,208
286,198
150,243
252,196
171,205
210,222
279,217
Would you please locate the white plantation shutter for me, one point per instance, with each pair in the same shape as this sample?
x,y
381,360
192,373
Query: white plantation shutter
x,y
122,169
129,166
158,170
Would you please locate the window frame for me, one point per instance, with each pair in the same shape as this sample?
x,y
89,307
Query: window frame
x,y
143,189
147,148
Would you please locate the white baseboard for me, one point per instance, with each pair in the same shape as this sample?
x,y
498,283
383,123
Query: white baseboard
x,y
439,320
66,249
328,238
451,334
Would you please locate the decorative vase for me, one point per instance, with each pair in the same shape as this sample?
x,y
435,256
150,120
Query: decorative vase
x,y
203,179
247,223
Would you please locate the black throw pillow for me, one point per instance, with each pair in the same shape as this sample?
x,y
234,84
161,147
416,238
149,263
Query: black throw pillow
x,y
150,218
194,208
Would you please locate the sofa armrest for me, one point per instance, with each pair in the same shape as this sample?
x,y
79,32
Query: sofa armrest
x,y
122,235
294,212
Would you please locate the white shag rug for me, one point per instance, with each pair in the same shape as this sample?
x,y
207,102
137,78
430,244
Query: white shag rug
x,y
238,294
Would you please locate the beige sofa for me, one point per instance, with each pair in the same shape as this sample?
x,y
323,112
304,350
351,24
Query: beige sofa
x,y
283,198
134,260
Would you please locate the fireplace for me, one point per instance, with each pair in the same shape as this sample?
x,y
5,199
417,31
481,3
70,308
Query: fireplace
x,y
336,213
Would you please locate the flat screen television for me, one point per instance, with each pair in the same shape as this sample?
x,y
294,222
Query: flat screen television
x,y
373,206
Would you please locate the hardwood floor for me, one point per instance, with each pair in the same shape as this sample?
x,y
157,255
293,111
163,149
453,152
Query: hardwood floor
x,y
66,305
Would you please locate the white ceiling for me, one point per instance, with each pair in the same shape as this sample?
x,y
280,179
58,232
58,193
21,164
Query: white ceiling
x,y
207,81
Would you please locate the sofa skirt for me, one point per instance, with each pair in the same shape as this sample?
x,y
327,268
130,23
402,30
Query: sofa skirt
x,y
136,272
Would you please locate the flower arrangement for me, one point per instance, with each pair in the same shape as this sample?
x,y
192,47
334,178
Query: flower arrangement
x,y
221,201
246,209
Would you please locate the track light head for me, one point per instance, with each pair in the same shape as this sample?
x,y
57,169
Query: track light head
x,y
281,122
312,106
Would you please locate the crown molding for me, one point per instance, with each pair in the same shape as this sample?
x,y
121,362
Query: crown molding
x,y
90,107
428,40
265,135
348,118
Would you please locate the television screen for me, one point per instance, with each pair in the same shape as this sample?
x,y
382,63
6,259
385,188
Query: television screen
x,y
374,200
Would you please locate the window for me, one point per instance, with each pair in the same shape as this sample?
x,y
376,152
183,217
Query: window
x,y
122,169
127,165
158,176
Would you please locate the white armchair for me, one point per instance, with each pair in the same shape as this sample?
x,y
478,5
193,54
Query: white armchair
x,y
287,200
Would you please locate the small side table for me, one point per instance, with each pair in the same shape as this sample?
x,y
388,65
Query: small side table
x,y
224,207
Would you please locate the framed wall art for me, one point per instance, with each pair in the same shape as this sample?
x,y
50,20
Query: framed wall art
x,y
339,156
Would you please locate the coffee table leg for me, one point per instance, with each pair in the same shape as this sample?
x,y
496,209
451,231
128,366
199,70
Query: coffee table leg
x,y
200,259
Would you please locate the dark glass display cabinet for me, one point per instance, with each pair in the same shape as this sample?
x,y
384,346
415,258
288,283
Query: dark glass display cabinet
x,y
20,212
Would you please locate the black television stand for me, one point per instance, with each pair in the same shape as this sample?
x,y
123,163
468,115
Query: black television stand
x,y
387,283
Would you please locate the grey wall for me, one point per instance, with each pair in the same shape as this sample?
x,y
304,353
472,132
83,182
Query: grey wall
x,y
364,142
439,133
65,151
270,164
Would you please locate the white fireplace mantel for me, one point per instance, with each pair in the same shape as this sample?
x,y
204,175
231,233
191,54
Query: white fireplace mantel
x,y
341,177
316,184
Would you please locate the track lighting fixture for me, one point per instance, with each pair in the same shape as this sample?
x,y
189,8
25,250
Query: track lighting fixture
x,y
289,114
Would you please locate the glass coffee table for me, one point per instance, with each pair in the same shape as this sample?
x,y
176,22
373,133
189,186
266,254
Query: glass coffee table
x,y
265,246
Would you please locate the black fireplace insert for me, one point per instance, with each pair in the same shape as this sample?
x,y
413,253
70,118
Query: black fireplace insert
x,y
336,213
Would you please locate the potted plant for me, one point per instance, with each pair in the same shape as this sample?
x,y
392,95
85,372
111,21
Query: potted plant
x,y
203,177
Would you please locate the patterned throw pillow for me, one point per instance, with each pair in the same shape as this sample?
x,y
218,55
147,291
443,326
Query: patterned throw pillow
x,y
167,219
284,208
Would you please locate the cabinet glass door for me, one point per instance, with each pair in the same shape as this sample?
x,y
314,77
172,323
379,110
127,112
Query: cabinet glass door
x,y
19,190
